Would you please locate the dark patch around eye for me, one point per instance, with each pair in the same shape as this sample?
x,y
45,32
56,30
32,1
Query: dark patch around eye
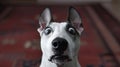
x,y
48,30
47,27
70,26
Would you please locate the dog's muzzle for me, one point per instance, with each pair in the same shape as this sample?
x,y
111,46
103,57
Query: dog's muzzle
x,y
59,46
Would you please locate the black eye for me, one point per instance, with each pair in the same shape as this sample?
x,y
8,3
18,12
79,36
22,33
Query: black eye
x,y
71,31
47,31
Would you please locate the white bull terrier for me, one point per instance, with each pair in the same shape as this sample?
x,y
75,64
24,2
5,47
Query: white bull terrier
x,y
60,41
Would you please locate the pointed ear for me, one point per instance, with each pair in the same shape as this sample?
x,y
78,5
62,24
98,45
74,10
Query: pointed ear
x,y
75,19
44,19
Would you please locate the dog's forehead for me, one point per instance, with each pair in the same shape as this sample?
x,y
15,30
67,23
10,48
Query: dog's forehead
x,y
58,25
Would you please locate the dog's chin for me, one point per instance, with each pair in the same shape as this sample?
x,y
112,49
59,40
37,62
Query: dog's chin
x,y
59,59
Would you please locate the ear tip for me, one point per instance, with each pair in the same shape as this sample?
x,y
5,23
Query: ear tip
x,y
47,9
71,8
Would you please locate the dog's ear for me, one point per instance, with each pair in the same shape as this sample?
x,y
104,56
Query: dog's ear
x,y
45,19
75,19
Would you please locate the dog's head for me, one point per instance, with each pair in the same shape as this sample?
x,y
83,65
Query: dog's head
x,y
60,40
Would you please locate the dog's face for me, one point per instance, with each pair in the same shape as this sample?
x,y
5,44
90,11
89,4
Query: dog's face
x,y
60,41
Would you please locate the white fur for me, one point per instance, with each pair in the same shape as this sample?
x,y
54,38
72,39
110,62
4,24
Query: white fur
x,y
46,46
59,31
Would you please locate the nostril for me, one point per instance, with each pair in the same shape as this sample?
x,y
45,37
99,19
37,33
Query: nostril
x,y
55,44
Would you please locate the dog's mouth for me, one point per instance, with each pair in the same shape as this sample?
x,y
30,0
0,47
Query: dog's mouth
x,y
59,59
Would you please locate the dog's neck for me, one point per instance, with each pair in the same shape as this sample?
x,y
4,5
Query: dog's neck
x,y
46,63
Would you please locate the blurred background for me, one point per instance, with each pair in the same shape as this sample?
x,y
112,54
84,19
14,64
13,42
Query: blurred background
x,y
19,39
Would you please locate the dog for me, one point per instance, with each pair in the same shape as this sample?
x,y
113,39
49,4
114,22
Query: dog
x,y
60,41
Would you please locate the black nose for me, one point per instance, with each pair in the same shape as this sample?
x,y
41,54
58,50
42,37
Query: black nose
x,y
59,45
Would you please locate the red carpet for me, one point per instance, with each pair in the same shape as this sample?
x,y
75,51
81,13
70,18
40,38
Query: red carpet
x,y
19,39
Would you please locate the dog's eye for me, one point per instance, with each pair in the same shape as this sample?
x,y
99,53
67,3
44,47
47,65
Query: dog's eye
x,y
47,31
71,31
